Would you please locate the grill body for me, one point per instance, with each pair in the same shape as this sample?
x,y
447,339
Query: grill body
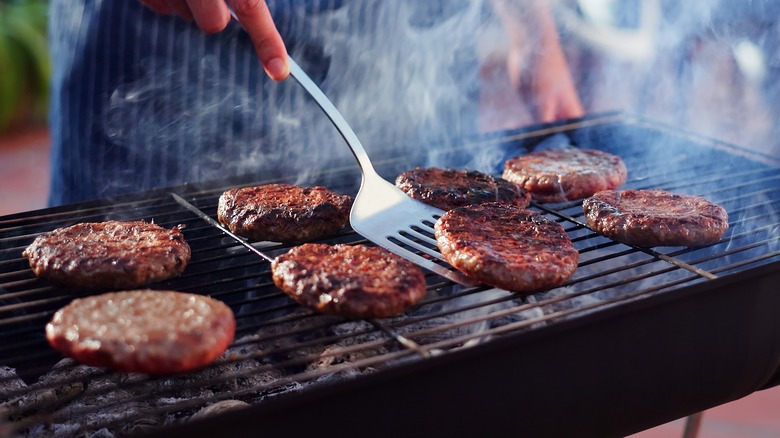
x,y
636,338
620,372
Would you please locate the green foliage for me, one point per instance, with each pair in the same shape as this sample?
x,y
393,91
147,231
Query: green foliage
x,y
25,66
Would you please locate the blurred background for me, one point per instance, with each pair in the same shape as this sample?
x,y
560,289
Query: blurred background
x,y
25,71
710,67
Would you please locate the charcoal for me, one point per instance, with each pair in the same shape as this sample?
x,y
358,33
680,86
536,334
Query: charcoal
x,y
219,407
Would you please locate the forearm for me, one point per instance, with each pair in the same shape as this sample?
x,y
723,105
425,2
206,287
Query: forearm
x,y
525,21
535,59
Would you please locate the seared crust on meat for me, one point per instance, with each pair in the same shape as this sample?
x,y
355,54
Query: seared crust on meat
x,y
655,218
111,254
449,188
559,175
284,212
506,247
355,281
144,331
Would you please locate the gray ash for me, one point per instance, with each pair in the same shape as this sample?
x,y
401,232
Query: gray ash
x,y
78,400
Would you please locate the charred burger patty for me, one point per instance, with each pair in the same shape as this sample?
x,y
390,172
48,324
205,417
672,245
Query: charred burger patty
x,y
283,212
145,331
559,175
111,254
506,247
655,218
448,188
356,281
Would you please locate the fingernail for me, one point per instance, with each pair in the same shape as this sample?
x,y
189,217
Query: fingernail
x,y
277,69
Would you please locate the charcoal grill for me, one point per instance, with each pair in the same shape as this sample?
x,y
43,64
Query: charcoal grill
x,y
635,338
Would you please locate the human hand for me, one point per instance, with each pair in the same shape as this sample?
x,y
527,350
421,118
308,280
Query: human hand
x,y
536,64
549,81
213,16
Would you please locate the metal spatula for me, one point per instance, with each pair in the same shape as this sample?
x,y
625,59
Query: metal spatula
x,y
381,212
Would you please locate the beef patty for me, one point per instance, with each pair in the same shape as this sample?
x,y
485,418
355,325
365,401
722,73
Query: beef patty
x,y
506,247
111,254
655,218
559,175
144,331
355,281
283,212
448,188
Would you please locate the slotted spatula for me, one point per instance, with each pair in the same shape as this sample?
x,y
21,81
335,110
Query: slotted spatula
x,y
382,213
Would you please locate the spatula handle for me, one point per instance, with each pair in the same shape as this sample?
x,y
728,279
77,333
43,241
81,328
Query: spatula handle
x,y
334,115
330,110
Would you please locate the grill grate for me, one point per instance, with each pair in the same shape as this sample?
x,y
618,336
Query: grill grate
x,y
282,349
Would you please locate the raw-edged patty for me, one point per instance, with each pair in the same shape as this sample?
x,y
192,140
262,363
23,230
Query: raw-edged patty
x,y
284,212
449,188
355,281
145,331
506,247
558,175
110,255
655,218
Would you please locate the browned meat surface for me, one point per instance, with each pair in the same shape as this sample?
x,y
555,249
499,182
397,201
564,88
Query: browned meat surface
x,y
283,212
506,247
558,175
355,281
655,218
448,188
144,331
112,254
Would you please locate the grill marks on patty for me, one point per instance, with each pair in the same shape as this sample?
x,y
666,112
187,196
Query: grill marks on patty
x,y
283,212
111,254
145,331
355,281
655,218
448,188
506,247
559,175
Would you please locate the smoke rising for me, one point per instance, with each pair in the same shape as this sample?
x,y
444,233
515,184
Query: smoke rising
x,y
711,66
407,76
401,81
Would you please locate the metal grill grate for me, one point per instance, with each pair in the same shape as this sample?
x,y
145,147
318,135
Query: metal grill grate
x,y
282,349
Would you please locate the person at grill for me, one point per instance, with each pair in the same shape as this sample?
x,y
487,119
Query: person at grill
x,y
142,99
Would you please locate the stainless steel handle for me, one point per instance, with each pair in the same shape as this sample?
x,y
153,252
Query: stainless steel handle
x,y
330,110
334,115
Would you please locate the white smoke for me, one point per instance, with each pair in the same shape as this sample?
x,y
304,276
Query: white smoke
x,y
406,82
702,66
401,82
